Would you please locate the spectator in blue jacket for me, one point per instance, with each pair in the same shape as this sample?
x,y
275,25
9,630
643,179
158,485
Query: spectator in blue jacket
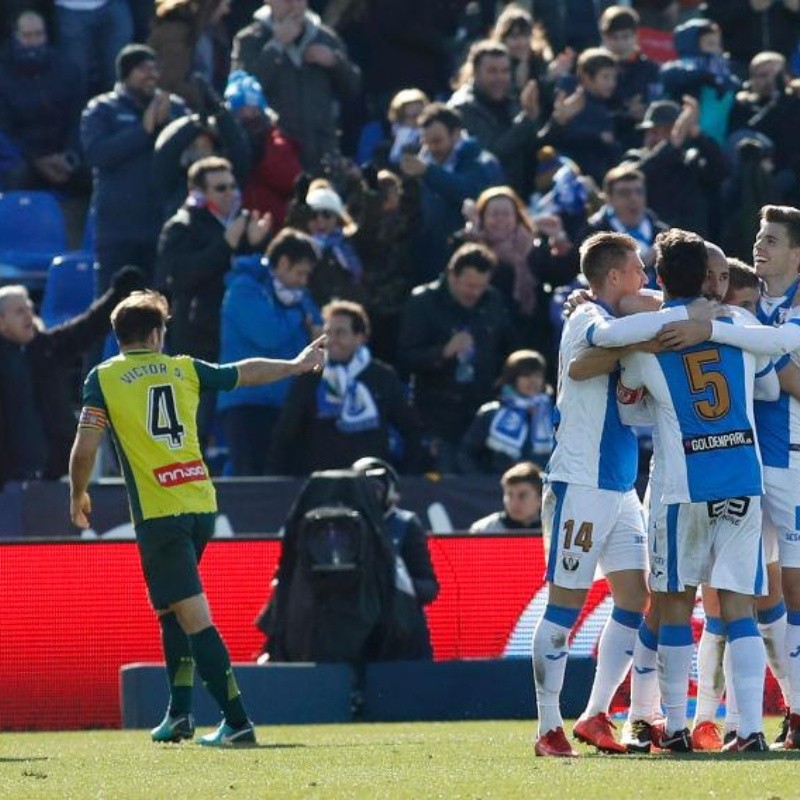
x,y
35,81
118,132
703,71
451,168
267,312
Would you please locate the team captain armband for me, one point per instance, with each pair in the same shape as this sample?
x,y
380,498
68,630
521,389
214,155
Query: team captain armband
x,y
628,396
92,418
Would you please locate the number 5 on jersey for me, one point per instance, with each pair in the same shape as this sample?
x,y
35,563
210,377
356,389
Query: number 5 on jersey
x,y
583,538
162,416
706,379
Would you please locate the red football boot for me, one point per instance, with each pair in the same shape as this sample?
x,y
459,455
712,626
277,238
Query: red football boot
x,y
705,737
554,743
596,731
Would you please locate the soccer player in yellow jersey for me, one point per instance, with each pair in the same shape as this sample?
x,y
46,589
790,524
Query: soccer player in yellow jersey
x,y
149,402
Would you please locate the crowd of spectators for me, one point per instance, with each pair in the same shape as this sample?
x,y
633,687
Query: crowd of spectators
x,y
412,177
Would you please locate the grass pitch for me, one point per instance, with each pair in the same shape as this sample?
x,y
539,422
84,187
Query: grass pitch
x,y
433,760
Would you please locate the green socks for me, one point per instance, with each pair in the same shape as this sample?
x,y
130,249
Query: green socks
x,y
214,666
180,665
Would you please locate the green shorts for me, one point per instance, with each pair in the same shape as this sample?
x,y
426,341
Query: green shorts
x,y
170,548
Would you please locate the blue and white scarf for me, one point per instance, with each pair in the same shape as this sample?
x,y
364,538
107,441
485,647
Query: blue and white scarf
x,y
521,419
341,394
342,250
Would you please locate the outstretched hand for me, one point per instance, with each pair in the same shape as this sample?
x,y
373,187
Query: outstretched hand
x,y
312,357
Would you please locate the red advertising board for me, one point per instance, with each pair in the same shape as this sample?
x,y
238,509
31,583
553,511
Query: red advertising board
x,y
74,613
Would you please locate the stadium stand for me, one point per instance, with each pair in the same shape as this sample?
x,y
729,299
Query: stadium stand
x,y
68,289
32,233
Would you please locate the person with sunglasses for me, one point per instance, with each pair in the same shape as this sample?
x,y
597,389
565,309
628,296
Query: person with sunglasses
x,y
195,251
340,271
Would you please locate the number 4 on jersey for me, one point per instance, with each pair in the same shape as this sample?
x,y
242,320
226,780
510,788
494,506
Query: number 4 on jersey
x,y
162,416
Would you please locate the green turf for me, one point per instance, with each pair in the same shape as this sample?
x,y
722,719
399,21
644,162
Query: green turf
x,y
441,760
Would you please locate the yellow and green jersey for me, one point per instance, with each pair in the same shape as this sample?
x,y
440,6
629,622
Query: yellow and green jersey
x,y
149,401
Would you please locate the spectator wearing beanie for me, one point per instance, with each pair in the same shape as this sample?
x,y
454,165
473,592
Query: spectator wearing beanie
x,y
118,134
275,157
323,215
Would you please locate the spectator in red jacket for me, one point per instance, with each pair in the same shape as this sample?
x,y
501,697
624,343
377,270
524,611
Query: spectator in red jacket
x,y
275,157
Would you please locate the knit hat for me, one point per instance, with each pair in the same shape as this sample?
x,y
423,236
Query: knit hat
x,y
244,91
130,57
323,199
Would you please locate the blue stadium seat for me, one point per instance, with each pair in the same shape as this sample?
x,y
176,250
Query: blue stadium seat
x,y
69,288
32,234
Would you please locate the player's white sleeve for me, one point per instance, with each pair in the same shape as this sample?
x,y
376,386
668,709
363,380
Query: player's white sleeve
x,y
631,378
767,386
759,339
635,328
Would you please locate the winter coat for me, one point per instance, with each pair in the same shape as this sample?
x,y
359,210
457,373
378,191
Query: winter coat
x,y
193,259
410,45
304,95
683,183
504,130
747,32
40,105
443,191
256,324
275,165
431,317
37,388
580,138
304,442
120,152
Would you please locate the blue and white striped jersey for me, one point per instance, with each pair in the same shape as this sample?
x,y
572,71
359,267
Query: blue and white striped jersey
x,y
703,403
593,448
779,422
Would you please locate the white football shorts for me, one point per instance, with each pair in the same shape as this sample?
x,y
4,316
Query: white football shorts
x,y
585,527
782,516
715,543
